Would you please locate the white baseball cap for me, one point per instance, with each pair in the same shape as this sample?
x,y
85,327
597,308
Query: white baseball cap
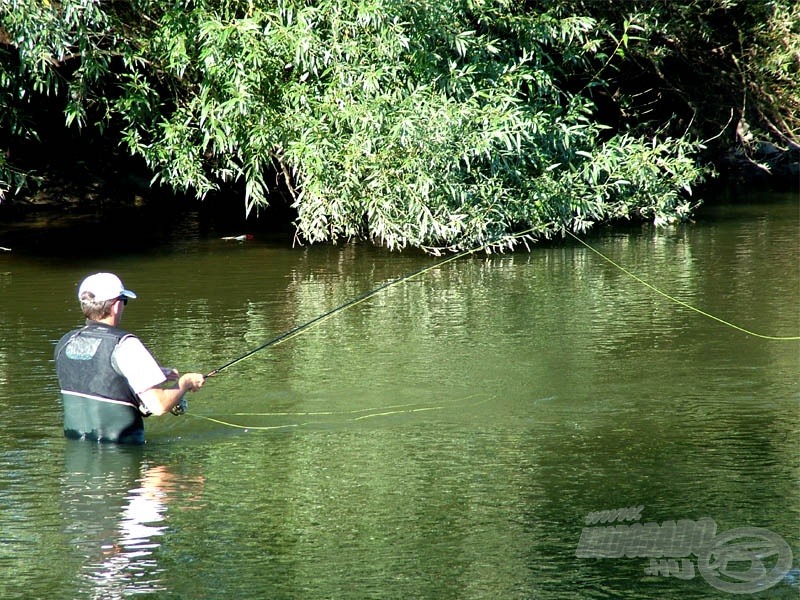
x,y
104,286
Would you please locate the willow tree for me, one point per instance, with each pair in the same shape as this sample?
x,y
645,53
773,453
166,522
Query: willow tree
x,y
426,123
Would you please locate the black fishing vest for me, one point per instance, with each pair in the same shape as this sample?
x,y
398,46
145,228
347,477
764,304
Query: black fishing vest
x,y
98,403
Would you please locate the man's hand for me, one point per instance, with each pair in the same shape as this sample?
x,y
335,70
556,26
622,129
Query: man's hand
x,y
191,382
160,401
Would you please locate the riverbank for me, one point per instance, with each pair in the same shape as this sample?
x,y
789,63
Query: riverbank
x,y
110,201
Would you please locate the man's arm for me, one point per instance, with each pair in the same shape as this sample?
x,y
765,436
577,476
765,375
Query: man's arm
x,y
159,401
145,377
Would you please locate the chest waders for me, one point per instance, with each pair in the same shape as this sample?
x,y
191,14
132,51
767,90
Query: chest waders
x,y
98,403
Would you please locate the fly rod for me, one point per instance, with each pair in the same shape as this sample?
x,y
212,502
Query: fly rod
x,y
299,328
366,295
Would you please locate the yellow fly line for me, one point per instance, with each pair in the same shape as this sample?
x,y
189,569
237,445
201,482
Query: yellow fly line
x,y
385,411
681,302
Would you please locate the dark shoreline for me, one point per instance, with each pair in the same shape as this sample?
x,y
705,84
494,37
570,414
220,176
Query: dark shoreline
x,y
122,210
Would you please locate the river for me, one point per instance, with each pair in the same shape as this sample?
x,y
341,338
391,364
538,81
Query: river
x,y
456,435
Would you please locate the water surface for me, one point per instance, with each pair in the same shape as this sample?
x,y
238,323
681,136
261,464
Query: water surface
x,y
446,438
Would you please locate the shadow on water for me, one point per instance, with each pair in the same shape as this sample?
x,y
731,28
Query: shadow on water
x,y
117,228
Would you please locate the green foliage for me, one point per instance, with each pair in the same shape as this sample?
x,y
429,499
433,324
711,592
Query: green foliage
x,y
770,71
727,65
427,123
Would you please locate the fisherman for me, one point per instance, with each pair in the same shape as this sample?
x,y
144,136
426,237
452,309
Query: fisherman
x,y
109,381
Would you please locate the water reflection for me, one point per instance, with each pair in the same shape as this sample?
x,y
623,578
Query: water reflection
x,y
115,504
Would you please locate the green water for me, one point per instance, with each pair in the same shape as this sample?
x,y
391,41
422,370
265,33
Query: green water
x,y
446,438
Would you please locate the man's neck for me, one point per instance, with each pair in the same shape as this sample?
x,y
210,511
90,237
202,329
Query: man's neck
x,y
109,320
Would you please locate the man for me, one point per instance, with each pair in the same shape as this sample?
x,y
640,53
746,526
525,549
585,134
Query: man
x,y
108,379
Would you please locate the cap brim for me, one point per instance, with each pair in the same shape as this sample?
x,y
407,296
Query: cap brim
x,y
127,294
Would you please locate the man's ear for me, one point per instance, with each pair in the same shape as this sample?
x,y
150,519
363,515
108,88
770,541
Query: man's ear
x,y
116,308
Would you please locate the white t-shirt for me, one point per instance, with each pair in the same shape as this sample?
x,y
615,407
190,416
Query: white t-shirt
x,y
137,365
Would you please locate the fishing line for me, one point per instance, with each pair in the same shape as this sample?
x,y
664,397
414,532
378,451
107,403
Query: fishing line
x,y
319,413
404,409
306,423
425,408
246,427
681,302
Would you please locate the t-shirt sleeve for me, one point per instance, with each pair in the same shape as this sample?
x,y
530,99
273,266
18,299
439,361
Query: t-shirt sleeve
x,y
137,365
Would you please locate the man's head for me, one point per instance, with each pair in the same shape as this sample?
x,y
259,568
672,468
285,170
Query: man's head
x,y
98,294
